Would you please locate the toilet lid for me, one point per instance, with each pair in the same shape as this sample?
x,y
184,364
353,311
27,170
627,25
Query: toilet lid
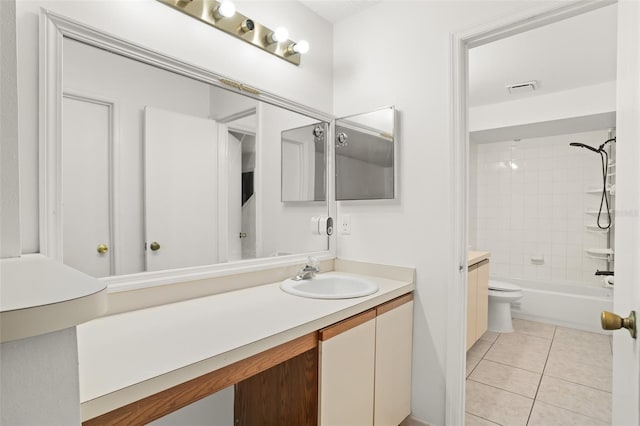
x,y
502,286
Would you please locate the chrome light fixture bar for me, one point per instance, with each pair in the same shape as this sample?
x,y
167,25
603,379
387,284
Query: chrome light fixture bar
x,y
218,14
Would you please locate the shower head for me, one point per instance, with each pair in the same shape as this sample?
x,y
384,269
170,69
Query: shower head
x,y
605,143
581,145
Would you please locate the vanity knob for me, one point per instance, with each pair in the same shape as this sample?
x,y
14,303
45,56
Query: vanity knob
x,y
155,246
102,248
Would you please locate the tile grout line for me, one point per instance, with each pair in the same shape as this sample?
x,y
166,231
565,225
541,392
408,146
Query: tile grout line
x,y
484,418
535,397
576,383
482,357
499,388
573,411
513,366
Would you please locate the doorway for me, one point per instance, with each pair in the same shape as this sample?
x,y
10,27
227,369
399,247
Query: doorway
x,y
461,45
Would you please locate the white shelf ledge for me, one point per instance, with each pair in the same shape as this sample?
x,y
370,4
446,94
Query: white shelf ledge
x,y
596,228
601,253
39,296
595,212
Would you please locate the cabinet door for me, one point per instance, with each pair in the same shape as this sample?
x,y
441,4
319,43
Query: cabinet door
x,y
347,359
472,307
482,298
394,335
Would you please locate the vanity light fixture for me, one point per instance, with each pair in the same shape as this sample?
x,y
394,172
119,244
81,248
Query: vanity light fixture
x,y
278,36
301,47
223,16
247,25
224,9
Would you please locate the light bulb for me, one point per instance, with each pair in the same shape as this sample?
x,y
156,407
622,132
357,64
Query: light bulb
x,y
301,47
226,9
280,34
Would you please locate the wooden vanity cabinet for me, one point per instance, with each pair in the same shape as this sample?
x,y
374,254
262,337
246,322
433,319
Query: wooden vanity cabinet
x,y
284,394
354,372
477,301
347,371
365,367
394,344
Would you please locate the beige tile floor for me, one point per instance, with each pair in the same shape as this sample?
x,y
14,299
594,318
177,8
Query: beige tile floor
x,y
539,375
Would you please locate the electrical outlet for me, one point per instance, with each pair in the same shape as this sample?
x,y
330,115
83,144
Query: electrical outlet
x,y
345,224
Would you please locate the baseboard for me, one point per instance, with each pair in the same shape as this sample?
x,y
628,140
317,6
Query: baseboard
x,y
413,421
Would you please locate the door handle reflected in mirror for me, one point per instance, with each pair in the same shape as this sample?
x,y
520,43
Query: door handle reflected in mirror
x,y
154,246
102,248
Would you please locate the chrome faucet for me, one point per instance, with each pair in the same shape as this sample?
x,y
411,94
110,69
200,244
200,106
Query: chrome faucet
x,y
308,271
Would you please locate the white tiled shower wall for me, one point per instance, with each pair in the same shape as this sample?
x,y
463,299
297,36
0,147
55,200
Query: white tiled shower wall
x,y
528,199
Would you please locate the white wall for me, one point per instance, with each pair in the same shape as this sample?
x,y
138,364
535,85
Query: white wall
x,y
579,102
156,26
39,380
397,53
538,208
9,209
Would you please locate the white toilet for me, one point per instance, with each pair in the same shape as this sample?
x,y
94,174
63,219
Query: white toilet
x,y
501,294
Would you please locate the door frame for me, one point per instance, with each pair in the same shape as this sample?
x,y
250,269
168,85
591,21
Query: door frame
x,y
460,43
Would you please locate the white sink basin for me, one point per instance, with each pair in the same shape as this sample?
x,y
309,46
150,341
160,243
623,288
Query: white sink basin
x,y
330,286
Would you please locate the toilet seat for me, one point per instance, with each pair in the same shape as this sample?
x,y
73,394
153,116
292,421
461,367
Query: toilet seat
x,y
502,286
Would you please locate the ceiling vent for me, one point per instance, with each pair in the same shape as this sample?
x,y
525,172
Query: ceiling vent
x,y
524,87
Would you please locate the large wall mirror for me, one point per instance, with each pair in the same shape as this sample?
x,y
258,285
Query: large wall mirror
x,y
160,171
304,163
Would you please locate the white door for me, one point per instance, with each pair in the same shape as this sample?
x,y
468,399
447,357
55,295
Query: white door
x,y
292,173
234,197
181,190
626,351
86,211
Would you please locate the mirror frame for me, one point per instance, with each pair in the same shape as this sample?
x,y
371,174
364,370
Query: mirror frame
x,y
53,28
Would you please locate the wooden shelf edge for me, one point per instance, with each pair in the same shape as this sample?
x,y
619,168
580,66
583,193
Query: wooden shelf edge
x,y
392,304
347,324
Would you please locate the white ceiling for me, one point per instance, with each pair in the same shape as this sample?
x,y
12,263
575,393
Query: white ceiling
x,y
576,52
334,11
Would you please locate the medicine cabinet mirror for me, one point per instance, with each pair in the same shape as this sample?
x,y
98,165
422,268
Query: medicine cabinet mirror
x,y
303,163
159,170
365,155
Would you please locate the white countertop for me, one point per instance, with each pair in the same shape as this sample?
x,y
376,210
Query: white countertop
x,y
39,296
129,356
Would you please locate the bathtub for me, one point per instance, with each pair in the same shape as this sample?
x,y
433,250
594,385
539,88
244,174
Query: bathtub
x,y
565,304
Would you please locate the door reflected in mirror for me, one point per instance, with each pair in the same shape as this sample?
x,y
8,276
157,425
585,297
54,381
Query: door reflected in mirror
x,y
365,156
161,171
303,163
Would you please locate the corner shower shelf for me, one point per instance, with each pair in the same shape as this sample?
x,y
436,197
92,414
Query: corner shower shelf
x,y
595,212
596,228
598,253
597,190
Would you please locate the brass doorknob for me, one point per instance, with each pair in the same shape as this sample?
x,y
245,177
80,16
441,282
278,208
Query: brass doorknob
x,y
611,321
102,248
155,246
